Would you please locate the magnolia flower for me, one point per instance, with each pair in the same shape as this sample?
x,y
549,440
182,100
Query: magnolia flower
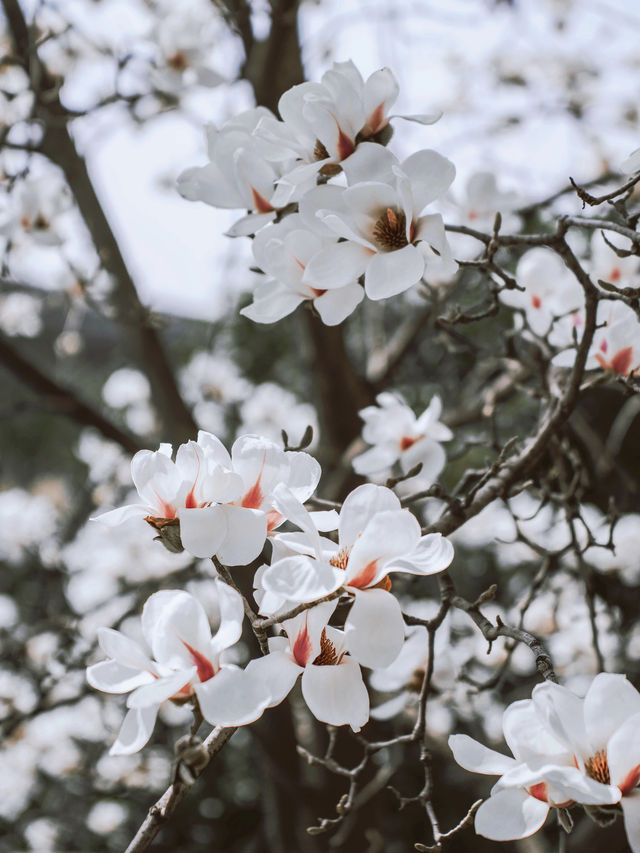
x,y
323,123
483,199
375,537
185,663
283,251
541,775
184,39
240,174
332,684
34,208
550,291
602,733
606,265
398,436
222,502
632,163
384,235
616,341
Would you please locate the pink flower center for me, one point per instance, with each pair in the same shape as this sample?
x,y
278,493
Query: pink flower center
x,y
203,664
408,441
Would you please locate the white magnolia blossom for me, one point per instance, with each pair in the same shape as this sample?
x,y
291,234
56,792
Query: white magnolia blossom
x,y
607,265
550,291
375,537
323,123
239,174
183,661
284,251
602,734
542,774
34,208
378,217
332,684
222,502
483,199
616,341
398,436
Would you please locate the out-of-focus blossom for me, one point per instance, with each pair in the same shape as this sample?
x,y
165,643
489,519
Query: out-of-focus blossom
x,y
284,251
398,436
222,502
187,662
270,408
541,775
323,123
33,209
550,291
384,235
602,733
607,265
483,199
616,341
20,315
332,683
375,537
239,174
28,521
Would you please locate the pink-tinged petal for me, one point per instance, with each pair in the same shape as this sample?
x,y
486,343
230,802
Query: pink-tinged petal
x,y
301,579
336,266
359,508
157,480
191,465
609,702
135,731
380,93
115,517
276,672
623,754
477,758
526,735
428,453
376,459
272,301
374,628
388,535
305,630
631,812
111,677
160,689
246,535
232,698
231,618
172,621
124,650
432,554
430,174
202,530
390,273
562,712
336,694
509,815
567,782
334,306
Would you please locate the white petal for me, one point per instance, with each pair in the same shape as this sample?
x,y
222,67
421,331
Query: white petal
x,y
112,677
135,731
525,732
172,618
360,506
336,694
304,476
376,459
334,306
301,579
623,754
509,815
562,711
477,758
336,266
389,709
420,118
432,554
202,530
160,689
277,672
430,174
231,618
374,628
232,698
631,811
123,649
369,162
246,535
390,273
429,454
114,517
610,700
387,536
272,301
250,223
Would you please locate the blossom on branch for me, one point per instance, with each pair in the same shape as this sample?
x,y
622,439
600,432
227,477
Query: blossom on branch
x,y
616,341
185,663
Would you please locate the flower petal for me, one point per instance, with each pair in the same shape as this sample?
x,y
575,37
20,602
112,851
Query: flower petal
x,y
390,273
562,711
334,306
160,689
388,535
336,694
432,554
171,619
430,174
623,754
123,649
202,530
232,698
277,672
135,731
360,506
509,815
301,579
246,535
478,758
631,811
231,618
374,628
610,701
111,677
336,265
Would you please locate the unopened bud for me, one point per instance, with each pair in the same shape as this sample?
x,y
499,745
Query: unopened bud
x,y
168,533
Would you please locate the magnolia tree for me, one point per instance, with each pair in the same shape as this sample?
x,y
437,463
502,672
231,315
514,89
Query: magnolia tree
x,y
392,514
